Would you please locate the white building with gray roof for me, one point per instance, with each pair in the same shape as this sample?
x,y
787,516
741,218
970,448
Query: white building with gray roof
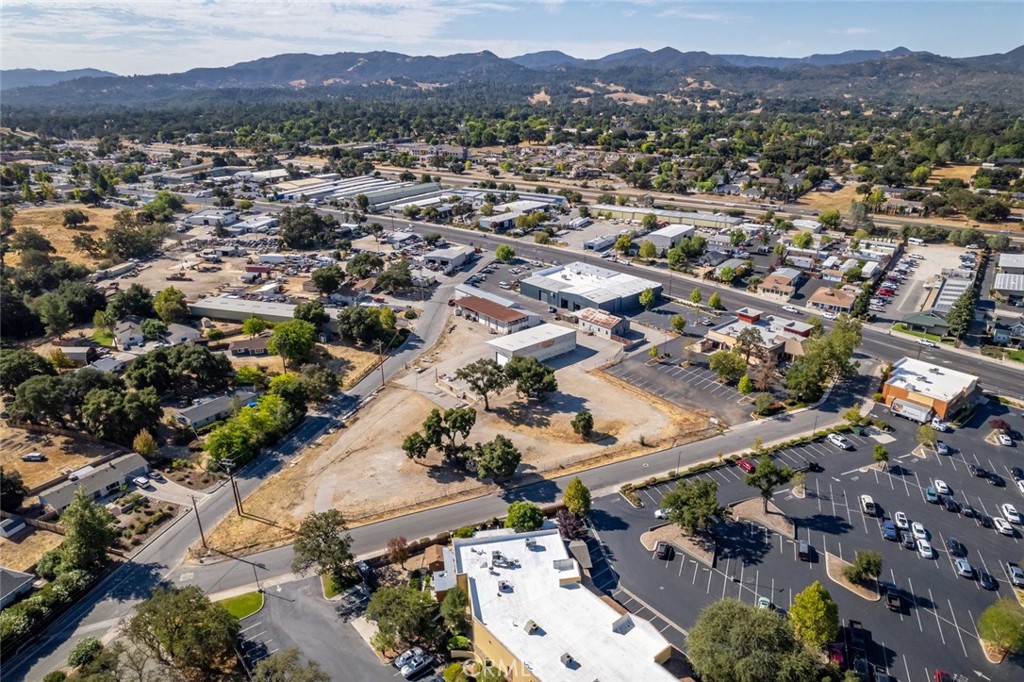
x,y
581,285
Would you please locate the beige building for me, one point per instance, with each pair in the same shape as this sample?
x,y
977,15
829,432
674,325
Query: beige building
x,y
599,323
829,300
777,337
533,618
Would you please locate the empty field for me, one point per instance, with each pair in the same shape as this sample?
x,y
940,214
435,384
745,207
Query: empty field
x,y
61,453
49,221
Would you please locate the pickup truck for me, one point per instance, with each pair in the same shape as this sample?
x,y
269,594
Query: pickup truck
x,y
858,636
893,601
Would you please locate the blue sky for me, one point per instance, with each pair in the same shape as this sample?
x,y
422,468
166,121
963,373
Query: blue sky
x,y
157,36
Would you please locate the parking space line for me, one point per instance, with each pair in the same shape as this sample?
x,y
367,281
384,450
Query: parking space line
x,y
953,613
917,607
726,576
695,567
935,612
894,584
907,667
817,493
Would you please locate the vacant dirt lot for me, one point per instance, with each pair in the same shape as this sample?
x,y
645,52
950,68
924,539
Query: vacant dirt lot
x,y
964,173
49,221
362,470
23,550
823,201
351,362
61,453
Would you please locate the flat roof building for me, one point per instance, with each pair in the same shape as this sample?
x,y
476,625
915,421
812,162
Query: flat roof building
x,y
600,323
449,258
492,315
532,616
541,342
669,236
715,221
916,388
581,285
776,337
1011,264
240,309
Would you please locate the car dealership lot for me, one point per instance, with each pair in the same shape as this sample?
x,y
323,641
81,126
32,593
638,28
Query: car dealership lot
x,y
935,627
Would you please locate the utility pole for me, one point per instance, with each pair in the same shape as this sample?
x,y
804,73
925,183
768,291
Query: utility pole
x,y
229,466
195,508
380,357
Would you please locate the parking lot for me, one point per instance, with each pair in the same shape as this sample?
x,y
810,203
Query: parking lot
x,y
935,628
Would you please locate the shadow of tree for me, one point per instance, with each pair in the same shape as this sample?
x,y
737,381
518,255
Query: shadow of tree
x,y
826,523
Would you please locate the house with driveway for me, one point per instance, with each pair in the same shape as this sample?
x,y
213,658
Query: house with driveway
x,y
96,480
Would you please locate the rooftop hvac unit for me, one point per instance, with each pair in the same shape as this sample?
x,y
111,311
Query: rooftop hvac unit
x,y
530,626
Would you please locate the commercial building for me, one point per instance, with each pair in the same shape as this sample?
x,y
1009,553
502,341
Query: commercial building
x,y
928,321
1009,285
96,481
916,389
212,216
237,309
599,243
1010,264
581,285
449,258
776,337
494,316
715,221
543,342
829,300
783,282
669,236
536,622
599,323
214,410
953,288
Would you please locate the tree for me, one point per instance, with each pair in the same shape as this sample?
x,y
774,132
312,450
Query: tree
x,y
170,305
73,217
745,385
286,666
364,264
583,424
54,314
85,651
815,617
484,376
763,402
312,311
524,516
497,459
803,240
693,506
253,327
926,436
12,490
766,477
453,609
532,378
880,454
679,324
748,341
388,319
406,612
415,446
1002,625
960,315
396,277
327,279
144,444
153,329
734,642
398,550
647,298
293,340
322,541
624,243
648,250
39,399
695,296
136,300
88,531
302,227
117,415
831,219
182,628
866,567
359,324
17,366
715,301
729,365
504,253
577,497
30,239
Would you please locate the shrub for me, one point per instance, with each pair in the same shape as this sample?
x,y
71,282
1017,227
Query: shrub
x,y
458,642
465,532
85,652
877,397
409,314
49,565
215,334
55,676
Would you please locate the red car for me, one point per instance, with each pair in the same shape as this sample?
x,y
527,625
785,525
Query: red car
x,y
837,654
886,292
746,465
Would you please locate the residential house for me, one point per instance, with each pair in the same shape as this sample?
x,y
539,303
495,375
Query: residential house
x,y
782,282
13,584
829,300
182,334
97,481
128,334
254,346
927,321
213,410
1008,333
80,355
738,266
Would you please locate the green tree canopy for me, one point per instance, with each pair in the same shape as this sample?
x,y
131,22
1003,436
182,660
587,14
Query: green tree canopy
x,y
327,279
407,613
286,666
16,366
484,377
577,497
866,567
88,532
453,609
293,340
729,365
323,541
766,477
504,253
1002,625
647,298
583,423
648,250
815,617
170,305
524,516
693,506
12,490
532,378
497,459
253,327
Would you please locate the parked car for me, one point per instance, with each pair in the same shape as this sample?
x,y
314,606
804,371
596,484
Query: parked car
x,y
950,504
142,482
964,568
407,656
889,531
956,548
33,457
939,425
839,441
1020,486
1016,574
941,448
987,581
665,551
985,520
791,309
659,513
931,495
156,475
416,666
926,342
941,487
918,529
746,465
1010,513
1017,473
1003,526
1005,440
907,540
967,511
924,548
902,522
996,480
980,472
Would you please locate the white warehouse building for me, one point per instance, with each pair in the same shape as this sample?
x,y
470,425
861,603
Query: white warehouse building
x,y
669,236
543,342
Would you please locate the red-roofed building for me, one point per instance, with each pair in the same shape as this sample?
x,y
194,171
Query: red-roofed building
x,y
501,319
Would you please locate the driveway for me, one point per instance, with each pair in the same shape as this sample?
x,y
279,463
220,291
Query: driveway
x,y
169,491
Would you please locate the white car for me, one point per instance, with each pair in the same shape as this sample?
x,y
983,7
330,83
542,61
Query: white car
x,y
964,568
902,522
918,529
1020,486
829,316
839,441
142,482
659,513
940,425
1003,526
791,309
1005,440
926,342
924,548
1010,513
941,487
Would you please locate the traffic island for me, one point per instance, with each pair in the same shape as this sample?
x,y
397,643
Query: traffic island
x,y
244,605
701,548
993,654
835,569
773,519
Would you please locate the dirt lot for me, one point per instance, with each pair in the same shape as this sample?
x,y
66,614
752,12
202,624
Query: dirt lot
x,y
363,471
353,363
821,201
965,173
23,550
61,453
49,221
153,275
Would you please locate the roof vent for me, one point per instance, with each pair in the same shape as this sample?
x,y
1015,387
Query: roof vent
x,y
530,626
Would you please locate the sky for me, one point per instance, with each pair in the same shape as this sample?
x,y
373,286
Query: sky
x,y
157,36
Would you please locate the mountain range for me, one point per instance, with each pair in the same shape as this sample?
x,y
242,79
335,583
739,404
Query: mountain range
x,y
898,75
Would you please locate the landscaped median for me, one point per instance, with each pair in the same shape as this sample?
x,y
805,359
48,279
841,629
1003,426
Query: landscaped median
x,y
243,605
836,568
700,548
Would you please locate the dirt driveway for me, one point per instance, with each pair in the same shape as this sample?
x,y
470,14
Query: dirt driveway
x,y
363,471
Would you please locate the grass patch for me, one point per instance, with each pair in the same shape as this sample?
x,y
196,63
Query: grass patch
x,y
333,587
1016,356
103,337
903,329
244,605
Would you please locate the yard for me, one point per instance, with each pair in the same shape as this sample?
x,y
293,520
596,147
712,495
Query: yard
x,y
23,551
61,452
49,221
363,471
